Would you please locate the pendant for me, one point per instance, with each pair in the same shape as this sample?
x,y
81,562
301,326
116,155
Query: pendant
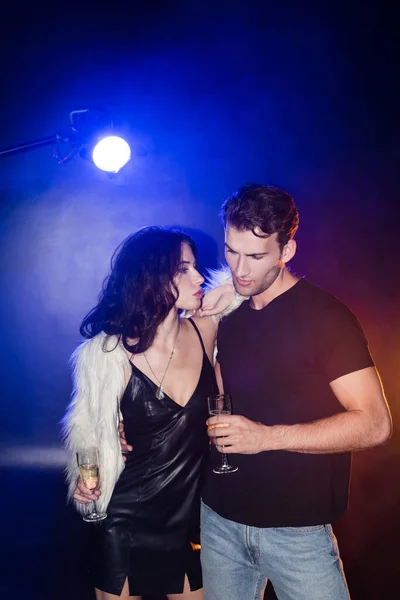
x,y
160,393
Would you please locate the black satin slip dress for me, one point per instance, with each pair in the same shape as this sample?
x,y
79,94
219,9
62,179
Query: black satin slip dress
x,y
151,534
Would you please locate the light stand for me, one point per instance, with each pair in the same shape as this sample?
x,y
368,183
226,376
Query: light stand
x,y
86,126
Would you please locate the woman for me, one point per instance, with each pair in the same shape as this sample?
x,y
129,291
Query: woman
x,y
145,364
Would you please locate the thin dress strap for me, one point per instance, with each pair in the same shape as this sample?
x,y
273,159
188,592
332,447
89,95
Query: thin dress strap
x,y
198,333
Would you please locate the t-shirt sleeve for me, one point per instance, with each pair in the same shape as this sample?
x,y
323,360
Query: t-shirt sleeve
x,y
342,346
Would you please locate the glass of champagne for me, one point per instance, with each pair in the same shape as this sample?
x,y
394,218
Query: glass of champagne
x,y
88,463
221,404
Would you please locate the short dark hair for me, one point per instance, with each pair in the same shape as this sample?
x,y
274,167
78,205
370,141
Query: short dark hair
x,y
139,292
271,209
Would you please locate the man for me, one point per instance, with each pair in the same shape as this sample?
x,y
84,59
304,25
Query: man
x,y
305,394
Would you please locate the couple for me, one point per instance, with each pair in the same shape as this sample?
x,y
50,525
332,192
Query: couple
x,y
305,394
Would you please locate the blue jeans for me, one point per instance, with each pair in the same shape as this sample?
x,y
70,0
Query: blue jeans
x,y
302,563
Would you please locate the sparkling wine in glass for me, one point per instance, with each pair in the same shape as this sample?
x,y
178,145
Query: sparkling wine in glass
x,y
88,463
221,404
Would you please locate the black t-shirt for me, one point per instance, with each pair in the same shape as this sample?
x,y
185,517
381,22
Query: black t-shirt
x,y
277,364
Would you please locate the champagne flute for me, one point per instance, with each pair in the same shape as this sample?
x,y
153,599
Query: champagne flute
x,y
88,463
221,404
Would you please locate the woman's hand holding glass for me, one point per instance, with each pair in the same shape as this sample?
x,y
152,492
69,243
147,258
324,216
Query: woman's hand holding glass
x,y
88,463
83,495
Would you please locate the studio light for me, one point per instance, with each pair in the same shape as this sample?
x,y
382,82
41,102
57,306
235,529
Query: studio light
x,y
92,135
111,154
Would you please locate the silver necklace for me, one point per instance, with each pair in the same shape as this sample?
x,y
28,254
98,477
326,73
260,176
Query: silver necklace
x,y
160,390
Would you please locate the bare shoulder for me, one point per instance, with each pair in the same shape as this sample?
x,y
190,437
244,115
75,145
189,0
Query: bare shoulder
x,y
206,325
208,331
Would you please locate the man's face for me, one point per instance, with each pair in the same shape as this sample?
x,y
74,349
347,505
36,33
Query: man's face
x,y
255,262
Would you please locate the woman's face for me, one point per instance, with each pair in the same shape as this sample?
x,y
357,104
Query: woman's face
x,y
188,281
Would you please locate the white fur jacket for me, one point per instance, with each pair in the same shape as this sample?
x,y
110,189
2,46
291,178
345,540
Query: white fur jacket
x,y
92,417
99,375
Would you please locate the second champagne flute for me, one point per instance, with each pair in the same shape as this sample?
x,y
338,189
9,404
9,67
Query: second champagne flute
x,y
221,404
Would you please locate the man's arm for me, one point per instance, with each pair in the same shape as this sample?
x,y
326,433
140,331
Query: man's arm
x,y
218,377
366,422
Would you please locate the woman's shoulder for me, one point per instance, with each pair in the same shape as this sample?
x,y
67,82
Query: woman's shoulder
x,y
208,330
206,325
